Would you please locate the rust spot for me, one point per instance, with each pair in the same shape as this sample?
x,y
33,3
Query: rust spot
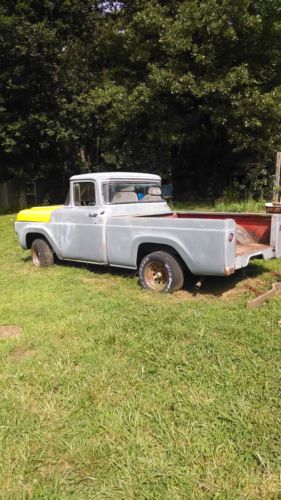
x,y
229,270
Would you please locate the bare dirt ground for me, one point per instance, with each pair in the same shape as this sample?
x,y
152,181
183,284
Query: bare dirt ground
x,y
252,281
7,331
22,353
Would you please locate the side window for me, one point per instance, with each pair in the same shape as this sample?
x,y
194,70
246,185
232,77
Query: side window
x,y
84,194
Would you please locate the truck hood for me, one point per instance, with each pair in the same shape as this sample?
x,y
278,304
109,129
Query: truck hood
x,y
37,214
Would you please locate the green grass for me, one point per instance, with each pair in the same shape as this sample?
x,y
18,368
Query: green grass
x,y
222,205
115,393
249,205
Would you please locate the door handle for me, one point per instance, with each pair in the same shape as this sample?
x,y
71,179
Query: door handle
x,y
92,215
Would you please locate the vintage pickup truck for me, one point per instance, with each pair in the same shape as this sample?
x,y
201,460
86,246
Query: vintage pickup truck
x,y
121,219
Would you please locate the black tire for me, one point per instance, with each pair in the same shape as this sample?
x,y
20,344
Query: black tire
x,y
41,253
161,272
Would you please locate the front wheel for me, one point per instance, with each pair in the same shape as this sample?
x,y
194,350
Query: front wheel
x,y
41,253
161,272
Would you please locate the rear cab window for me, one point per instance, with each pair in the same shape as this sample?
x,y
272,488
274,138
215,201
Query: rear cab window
x,y
131,192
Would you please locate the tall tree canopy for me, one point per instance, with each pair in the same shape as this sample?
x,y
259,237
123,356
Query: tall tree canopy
x,y
187,88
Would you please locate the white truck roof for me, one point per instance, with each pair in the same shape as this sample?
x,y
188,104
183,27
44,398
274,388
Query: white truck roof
x,y
116,176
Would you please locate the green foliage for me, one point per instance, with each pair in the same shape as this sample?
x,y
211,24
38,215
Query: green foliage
x,y
188,89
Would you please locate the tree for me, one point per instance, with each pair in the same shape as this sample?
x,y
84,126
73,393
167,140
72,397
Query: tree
x,y
203,85
187,88
34,36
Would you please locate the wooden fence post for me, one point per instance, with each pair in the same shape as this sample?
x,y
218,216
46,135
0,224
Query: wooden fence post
x,y
277,178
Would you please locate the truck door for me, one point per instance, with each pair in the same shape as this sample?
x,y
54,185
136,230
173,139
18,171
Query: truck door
x,y
83,228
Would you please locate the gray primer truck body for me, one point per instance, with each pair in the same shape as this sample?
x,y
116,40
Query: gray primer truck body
x,y
118,233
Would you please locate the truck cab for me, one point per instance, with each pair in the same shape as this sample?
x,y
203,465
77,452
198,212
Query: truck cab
x,y
95,198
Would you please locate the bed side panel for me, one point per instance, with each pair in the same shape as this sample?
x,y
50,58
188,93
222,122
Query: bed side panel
x,y
203,244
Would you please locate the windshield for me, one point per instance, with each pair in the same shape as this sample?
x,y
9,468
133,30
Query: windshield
x,y
132,192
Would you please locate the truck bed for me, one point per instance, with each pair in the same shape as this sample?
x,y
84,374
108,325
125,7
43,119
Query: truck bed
x,y
253,234
256,235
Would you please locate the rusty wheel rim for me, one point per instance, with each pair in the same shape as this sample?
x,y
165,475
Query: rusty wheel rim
x,y
35,258
156,276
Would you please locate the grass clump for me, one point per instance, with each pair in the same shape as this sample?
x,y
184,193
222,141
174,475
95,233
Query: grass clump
x,y
248,205
112,392
222,205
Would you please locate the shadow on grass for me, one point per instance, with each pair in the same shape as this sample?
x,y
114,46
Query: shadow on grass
x,y
214,286
221,285
97,269
94,268
26,259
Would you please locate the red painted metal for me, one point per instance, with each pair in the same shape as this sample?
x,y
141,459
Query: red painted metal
x,y
258,225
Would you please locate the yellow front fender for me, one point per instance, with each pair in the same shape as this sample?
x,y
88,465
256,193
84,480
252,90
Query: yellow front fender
x,y
37,214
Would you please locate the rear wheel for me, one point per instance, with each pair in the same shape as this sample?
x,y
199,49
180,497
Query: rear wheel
x,y
161,272
41,253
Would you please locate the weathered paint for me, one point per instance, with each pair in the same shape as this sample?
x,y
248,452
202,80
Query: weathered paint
x,y
229,270
112,234
258,225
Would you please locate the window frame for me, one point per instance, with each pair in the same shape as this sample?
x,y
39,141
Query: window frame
x,y
86,181
121,181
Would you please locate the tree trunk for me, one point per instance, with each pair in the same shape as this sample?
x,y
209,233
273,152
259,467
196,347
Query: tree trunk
x,y
277,178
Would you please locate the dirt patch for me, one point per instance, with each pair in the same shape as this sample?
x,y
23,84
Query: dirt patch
x,y
226,289
22,353
8,331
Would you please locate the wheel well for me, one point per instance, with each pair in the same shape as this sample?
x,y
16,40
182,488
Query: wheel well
x,y
146,248
30,237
